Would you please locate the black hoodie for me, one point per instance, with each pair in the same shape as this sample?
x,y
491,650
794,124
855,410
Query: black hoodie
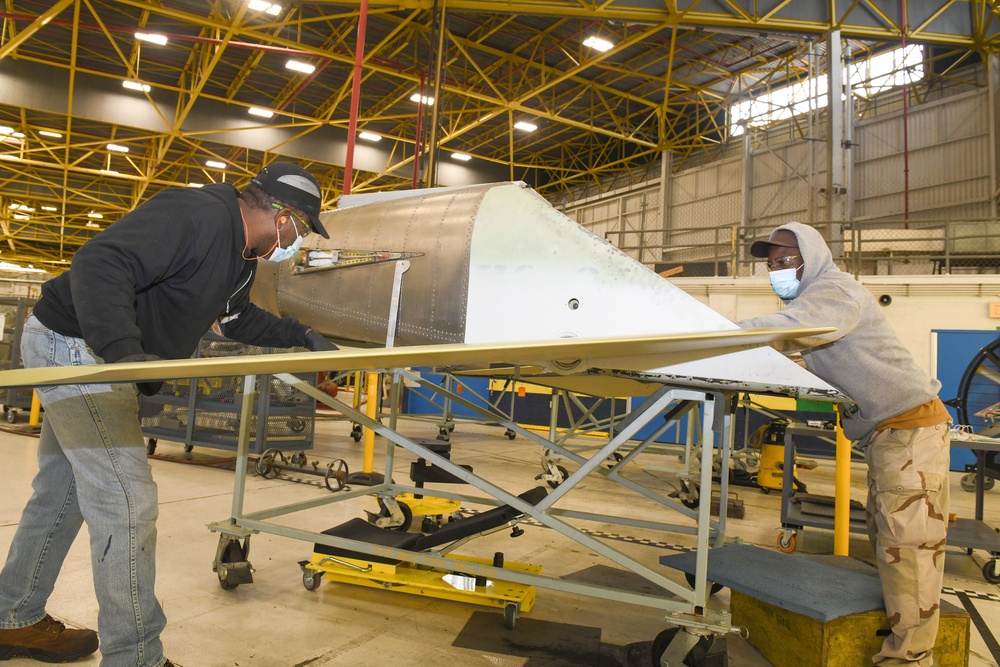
x,y
156,280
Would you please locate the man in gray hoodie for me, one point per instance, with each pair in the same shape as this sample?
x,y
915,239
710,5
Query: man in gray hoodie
x,y
897,417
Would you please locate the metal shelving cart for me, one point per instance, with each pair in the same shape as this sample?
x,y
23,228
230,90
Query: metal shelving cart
x,y
15,311
206,412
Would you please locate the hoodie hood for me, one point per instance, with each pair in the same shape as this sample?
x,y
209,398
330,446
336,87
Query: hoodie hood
x,y
816,256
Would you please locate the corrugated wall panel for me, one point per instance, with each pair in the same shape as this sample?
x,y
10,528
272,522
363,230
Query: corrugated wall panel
x,y
948,156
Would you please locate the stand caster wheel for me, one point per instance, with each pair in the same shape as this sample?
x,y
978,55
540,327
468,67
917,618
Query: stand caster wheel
x,y
694,658
311,579
356,433
12,416
151,446
510,433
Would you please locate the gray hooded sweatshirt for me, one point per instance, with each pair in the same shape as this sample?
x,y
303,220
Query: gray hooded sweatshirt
x,y
863,358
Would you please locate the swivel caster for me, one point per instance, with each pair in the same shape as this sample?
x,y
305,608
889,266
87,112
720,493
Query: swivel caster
x,y
690,649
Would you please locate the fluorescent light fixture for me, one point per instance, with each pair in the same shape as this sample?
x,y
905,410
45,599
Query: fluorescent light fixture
x,y
215,164
49,208
417,97
195,185
369,136
257,111
95,215
153,37
461,156
111,172
11,158
300,66
50,133
118,148
597,43
135,85
92,224
525,125
6,130
262,6
21,207
21,216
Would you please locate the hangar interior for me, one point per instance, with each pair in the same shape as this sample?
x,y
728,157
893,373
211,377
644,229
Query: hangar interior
x,y
677,132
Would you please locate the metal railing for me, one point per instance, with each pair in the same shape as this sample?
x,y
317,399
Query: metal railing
x,y
884,247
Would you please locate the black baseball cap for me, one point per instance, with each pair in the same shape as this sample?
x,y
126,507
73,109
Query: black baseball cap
x,y
782,238
294,186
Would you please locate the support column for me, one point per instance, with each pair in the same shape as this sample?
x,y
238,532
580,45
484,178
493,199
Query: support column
x,y
666,167
836,155
993,103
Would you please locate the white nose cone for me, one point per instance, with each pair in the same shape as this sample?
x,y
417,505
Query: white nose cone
x,y
536,274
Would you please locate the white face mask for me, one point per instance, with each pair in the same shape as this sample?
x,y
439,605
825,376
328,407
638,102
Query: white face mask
x,y
784,283
280,254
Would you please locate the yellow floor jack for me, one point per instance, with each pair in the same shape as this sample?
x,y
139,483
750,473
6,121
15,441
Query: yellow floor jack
x,y
441,574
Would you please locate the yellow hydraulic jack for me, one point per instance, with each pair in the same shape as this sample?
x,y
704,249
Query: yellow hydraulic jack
x,y
435,572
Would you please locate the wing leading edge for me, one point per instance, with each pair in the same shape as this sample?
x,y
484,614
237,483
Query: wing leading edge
x,y
568,356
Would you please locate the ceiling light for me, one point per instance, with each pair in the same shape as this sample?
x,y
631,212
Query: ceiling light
x,y
95,215
215,164
597,43
135,85
257,111
368,136
4,129
461,156
21,207
93,225
195,185
262,6
299,66
118,148
152,37
111,172
417,97
525,125
21,216
7,156
49,208
50,133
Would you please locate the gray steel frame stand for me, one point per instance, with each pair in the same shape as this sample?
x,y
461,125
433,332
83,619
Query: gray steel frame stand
x,y
685,607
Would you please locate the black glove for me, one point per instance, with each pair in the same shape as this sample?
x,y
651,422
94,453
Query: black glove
x,y
146,388
316,343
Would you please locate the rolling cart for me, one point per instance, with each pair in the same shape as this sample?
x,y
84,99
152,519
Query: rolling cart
x,y
206,412
14,311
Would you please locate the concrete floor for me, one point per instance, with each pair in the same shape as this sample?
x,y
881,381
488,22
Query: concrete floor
x,y
276,622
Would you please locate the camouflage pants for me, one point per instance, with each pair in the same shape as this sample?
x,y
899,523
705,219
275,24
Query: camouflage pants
x,y
907,523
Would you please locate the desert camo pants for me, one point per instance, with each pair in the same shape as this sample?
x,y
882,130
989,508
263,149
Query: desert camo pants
x,y
907,516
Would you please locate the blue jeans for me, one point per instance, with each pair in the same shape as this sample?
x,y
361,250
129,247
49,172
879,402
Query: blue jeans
x,y
91,468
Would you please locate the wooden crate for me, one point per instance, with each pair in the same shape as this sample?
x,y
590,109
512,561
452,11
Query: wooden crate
x,y
789,639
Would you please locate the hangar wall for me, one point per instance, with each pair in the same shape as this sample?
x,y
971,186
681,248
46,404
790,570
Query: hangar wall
x,y
701,214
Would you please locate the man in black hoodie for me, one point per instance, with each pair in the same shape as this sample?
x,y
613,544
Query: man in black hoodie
x,y
148,287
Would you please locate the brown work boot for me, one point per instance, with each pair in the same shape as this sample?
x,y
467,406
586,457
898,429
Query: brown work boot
x,y
47,640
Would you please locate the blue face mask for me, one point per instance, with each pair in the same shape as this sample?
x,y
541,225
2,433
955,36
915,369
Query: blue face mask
x,y
784,283
280,254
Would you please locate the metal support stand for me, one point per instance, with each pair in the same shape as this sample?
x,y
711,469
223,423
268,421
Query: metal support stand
x,y
685,606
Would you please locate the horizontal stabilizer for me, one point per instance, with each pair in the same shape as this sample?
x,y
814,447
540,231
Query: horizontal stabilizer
x,y
570,354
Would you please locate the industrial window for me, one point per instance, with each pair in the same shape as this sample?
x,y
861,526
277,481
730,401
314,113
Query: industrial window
x,y
868,77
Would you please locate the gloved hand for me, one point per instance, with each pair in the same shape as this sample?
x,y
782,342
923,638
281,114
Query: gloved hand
x,y
146,388
316,343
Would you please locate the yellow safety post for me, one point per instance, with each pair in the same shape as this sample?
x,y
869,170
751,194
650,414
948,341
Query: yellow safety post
x,y
36,410
842,495
372,387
